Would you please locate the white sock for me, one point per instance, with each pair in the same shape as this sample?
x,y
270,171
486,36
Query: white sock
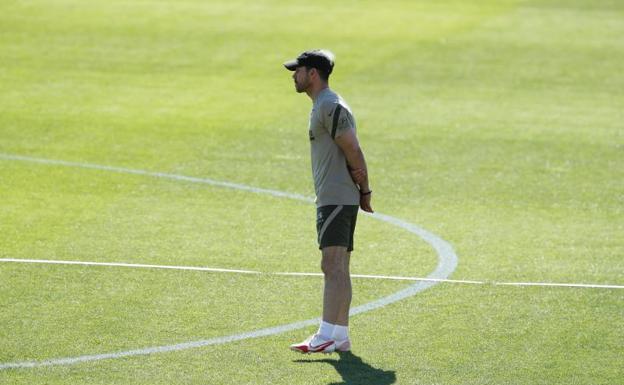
x,y
340,333
326,330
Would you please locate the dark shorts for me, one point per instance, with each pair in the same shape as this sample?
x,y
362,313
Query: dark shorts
x,y
335,225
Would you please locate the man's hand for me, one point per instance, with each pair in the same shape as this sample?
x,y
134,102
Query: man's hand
x,y
358,175
365,201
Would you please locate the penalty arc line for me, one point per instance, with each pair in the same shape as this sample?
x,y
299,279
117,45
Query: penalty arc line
x,y
447,262
302,274
446,265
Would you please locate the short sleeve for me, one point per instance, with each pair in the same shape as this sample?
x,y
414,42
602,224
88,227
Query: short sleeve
x,y
337,119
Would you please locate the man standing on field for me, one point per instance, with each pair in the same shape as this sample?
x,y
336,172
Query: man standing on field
x,y
341,185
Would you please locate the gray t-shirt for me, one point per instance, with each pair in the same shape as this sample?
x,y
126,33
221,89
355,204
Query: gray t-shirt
x,y
330,117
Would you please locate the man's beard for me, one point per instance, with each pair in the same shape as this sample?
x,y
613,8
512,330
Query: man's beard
x,y
300,87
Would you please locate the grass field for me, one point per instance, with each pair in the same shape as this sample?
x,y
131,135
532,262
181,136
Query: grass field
x,y
496,125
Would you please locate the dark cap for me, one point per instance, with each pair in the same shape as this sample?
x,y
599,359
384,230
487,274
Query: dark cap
x,y
320,59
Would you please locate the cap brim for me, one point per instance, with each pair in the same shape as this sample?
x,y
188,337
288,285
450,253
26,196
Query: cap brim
x,y
291,65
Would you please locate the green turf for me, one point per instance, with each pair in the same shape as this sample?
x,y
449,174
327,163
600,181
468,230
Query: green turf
x,y
498,125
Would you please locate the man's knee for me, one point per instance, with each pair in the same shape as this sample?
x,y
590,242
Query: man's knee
x,y
332,269
335,261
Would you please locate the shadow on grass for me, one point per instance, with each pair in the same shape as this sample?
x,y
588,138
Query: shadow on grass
x,y
354,371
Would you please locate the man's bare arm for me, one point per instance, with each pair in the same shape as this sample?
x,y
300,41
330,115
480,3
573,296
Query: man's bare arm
x,y
350,146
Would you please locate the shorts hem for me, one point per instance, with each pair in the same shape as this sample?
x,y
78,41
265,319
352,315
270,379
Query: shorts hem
x,y
321,247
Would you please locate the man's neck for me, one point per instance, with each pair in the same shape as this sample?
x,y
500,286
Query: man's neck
x,y
314,91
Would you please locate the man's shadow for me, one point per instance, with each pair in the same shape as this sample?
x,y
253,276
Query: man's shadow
x,y
354,371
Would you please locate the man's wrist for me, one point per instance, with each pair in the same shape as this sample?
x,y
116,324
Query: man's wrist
x,y
367,192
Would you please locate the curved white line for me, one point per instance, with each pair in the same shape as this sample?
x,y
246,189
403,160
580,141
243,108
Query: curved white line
x,y
447,262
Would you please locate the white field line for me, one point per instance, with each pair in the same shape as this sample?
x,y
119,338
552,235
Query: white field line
x,y
447,262
295,274
161,175
546,284
132,265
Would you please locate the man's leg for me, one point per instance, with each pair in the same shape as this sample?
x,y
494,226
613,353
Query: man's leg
x,y
337,291
335,225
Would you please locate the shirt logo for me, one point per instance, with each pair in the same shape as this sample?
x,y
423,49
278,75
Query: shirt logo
x,y
311,135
